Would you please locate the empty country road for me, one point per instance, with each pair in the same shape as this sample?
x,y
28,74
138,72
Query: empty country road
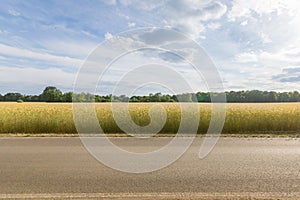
x,y
237,167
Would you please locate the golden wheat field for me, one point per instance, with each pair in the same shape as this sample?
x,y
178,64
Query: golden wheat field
x,y
240,117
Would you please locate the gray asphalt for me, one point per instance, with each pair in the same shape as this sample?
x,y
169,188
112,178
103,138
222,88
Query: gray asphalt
x,y
237,166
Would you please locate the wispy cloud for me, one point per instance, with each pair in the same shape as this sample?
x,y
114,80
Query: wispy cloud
x,y
9,51
289,75
14,12
32,81
252,42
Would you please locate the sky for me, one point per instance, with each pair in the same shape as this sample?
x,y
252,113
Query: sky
x,y
253,44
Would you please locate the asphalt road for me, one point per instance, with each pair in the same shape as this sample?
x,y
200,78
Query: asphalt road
x,y
237,167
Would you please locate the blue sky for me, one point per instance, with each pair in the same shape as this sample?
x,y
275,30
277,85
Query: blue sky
x,y
254,44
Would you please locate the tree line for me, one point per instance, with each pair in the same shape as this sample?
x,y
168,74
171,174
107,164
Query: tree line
x,y
53,94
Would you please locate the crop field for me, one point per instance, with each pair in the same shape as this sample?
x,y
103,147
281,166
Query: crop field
x,y
241,118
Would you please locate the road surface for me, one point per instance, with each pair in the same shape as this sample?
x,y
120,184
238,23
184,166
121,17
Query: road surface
x,y
236,168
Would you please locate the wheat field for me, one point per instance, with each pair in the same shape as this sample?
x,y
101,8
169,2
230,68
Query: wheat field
x,y
241,118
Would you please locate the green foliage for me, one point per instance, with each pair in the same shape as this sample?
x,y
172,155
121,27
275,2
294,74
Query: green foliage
x,y
83,97
67,97
12,96
19,101
51,94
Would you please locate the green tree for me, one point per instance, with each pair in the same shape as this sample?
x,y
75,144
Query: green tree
x,y
203,96
295,96
51,94
12,96
67,97
283,97
185,97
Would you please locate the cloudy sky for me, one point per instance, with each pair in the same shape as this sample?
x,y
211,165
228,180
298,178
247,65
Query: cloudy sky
x,y
254,44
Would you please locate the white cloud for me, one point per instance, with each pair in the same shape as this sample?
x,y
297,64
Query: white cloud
x,y
186,16
244,8
14,12
73,48
214,25
108,36
283,57
269,26
265,38
131,24
250,76
110,2
90,35
254,39
244,23
6,50
189,16
32,80
246,57
145,5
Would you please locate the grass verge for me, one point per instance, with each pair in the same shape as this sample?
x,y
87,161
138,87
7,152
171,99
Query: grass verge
x,y
239,135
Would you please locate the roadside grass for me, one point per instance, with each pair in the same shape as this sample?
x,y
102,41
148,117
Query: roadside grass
x,y
74,135
242,119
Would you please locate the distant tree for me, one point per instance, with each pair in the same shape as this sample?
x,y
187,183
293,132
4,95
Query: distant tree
x,y
108,98
89,97
31,98
51,94
283,97
295,96
272,96
84,97
203,96
67,97
186,97
166,98
157,97
12,96
134,99
123,98
99,98
79,97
